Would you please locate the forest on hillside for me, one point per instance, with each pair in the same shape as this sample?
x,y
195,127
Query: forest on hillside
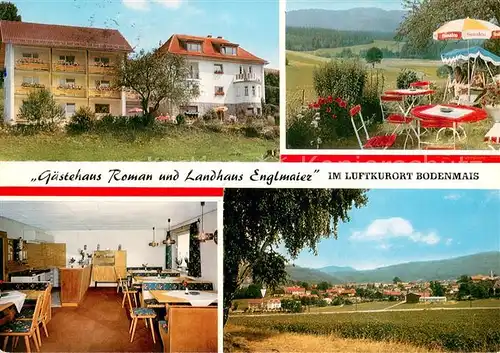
x,y
310,39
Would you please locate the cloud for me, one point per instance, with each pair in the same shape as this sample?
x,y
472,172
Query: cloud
x,y
449,241
453,197
395,227
142,5
171,4
384,246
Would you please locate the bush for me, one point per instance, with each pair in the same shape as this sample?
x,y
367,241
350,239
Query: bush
x,y
83,121
444,71
210,115
181,119
341,78
300,133
41,110
405,78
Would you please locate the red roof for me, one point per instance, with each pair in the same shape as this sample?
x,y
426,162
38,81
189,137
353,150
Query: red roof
x,y
45,35
210,48
295,289
393,293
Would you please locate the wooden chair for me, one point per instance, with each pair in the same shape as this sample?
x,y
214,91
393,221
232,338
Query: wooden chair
x,y
24,328
119,281
27,314
137,313
124,288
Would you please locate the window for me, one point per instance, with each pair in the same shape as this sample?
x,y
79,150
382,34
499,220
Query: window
x,y
246,91
31,80
219,90
258,111
102,108
196,47
194,72
67,58
218,69
30,55
101,61
102,83
258,91
241,70
228,50
238,93
249,69
253,91
70,109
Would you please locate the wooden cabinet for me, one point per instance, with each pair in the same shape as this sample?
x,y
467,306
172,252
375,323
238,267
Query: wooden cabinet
x,y
74,284
104,263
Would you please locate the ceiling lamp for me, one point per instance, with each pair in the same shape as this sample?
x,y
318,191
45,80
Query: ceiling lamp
x,y
154,243
168,240
202,236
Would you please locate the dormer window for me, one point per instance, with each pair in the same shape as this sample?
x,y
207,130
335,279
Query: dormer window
x,y
228,50
194,47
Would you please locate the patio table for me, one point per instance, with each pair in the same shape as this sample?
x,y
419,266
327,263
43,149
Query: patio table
x,y
412,96
432,116
203,298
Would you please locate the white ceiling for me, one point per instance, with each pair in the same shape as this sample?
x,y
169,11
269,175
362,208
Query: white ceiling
x,y
102,215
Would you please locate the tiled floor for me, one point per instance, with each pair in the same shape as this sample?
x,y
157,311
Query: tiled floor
x,y
100,324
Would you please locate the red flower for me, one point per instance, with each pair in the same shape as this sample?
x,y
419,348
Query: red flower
x,y
334,116
330,99
342,104
311,105
338,100
328,110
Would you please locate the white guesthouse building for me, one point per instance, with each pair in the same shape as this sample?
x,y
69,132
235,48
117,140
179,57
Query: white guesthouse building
x,y
228,75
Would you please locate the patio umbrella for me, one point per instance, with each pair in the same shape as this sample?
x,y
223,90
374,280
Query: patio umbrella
x,y
467,29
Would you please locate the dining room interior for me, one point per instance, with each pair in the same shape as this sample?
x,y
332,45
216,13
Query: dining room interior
x,y
95,275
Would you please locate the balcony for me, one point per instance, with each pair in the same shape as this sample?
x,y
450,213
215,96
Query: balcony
x,y
27,88
246,77
101,69
64,66
69,91
219,93
132,95
31,64
104,92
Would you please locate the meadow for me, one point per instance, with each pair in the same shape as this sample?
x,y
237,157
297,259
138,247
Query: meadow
x,y
454,330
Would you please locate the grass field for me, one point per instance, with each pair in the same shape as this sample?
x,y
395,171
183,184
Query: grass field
x,y
240,339
387,44
181,144
457,330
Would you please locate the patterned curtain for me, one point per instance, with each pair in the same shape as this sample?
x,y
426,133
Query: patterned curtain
x,y
194,266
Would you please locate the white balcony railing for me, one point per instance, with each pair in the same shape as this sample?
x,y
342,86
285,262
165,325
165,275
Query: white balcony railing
x,y
246,77
194,76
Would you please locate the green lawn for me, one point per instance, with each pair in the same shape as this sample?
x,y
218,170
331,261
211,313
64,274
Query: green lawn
x,y
487,303
181,144
387,44
354,307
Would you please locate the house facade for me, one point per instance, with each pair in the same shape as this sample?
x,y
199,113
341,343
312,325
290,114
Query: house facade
x,y
76,64
230,78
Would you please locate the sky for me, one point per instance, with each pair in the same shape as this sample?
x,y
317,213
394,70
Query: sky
x,y
254,25
342,4
399,226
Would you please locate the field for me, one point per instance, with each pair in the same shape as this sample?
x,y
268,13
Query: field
x,y
387,44
454,330
180,144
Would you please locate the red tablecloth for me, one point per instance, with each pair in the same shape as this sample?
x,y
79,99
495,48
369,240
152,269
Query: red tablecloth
x,y
476,114
409,92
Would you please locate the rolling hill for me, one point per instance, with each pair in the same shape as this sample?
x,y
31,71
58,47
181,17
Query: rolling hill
x,y
481,263
310,275
358,19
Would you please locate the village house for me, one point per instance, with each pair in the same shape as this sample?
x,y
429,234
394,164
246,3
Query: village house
x,y
295,290
76,64
229,77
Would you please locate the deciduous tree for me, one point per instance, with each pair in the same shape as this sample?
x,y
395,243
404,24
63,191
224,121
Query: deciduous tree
x,y
157,78
262,227
374,56
425,16
8,12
